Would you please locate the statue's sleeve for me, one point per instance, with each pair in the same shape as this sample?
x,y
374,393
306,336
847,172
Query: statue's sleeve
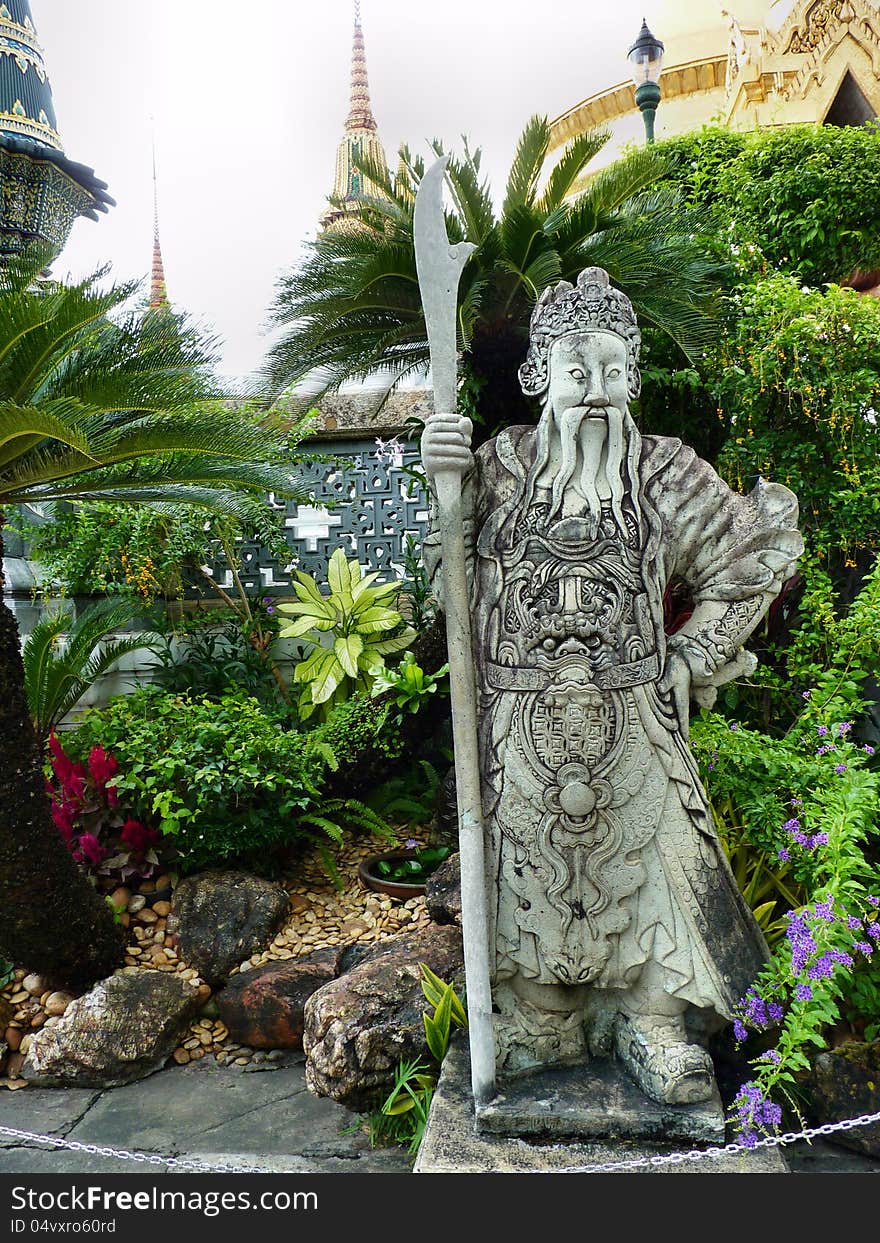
x,y
734,553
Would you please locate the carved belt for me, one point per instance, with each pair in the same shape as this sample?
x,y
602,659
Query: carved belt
x,y
513,678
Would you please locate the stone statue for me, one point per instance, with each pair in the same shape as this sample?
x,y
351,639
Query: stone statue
x,y
615,924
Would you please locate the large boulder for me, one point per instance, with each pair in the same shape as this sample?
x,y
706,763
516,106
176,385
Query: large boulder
x,y
263,1008
359,1026
218,919
846,1084
443,892
125,1028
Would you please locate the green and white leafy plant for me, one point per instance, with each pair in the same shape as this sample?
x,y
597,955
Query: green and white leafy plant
x,y
352,629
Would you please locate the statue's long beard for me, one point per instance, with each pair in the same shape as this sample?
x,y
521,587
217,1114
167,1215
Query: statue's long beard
x,y
580,429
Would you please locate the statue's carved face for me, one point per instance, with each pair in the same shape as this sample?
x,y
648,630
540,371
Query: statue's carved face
x,y
588,369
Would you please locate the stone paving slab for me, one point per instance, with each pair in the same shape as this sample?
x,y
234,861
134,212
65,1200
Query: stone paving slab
x,y
203,1112
50,1111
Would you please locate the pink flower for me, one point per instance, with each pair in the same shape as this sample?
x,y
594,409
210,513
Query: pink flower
x,y
64,815
90,849
101,765
72,776
61,764
137,836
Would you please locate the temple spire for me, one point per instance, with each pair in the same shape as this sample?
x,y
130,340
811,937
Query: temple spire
x,y
158,291
360,138
360,114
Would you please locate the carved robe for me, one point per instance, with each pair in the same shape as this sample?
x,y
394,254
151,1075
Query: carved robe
x,y
601,851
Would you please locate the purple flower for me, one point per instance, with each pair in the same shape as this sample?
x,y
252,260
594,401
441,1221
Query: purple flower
x,y
784,855
801,941
825,910
864,947
756,1010
822,968
843,728
854,925
840,768
734,725
754,1110
820,839
771,1056
791,825
873,930
822,730
868,750
739,1029
806,694
749,1140
823,750
797,802
874,901
775,1011
803,992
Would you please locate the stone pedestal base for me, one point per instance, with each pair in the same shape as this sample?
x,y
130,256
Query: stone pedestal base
x,y
597,1101
523,1131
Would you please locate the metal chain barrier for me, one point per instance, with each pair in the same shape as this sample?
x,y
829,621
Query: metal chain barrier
x,y
606,1167
123,1154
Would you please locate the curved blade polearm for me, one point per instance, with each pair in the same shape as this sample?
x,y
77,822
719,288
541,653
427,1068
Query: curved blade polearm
x,y
439,268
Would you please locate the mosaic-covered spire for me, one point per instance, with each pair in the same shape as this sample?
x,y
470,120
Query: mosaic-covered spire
x,y
25,94
41,190
360,139
158,290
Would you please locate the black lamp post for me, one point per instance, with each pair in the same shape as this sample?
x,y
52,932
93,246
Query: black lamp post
x,y
646,58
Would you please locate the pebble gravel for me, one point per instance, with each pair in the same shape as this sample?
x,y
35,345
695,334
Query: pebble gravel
x,y
320,916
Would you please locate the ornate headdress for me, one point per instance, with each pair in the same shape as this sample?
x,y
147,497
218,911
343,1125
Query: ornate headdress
x,y
589,306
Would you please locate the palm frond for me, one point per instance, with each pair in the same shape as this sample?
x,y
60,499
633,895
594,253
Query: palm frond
x,y
576,156
525,171
24,427
625,178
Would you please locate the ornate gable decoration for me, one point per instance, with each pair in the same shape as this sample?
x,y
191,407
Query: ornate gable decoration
x,y
820,19
801,66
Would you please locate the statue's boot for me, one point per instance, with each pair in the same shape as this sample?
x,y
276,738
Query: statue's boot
x,y
657,1055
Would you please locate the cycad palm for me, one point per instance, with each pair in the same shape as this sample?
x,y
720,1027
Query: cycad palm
x,y
94,409
64,657
353,307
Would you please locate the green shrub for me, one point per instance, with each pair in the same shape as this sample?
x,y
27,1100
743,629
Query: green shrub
x,y
800,812
125,550
212,654
798,384
800,199
225,779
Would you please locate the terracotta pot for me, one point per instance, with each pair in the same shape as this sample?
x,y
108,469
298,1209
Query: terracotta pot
x,y
394,888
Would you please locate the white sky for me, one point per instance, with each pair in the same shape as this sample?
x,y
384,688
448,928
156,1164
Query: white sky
x,y
249,100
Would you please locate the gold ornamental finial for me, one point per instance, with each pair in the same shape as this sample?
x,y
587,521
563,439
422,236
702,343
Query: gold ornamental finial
x,y
158,291
360,113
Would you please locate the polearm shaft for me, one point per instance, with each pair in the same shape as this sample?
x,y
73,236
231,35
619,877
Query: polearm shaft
x,y
439,268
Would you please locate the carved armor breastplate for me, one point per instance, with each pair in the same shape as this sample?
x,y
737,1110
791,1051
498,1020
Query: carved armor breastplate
x,y
574,611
